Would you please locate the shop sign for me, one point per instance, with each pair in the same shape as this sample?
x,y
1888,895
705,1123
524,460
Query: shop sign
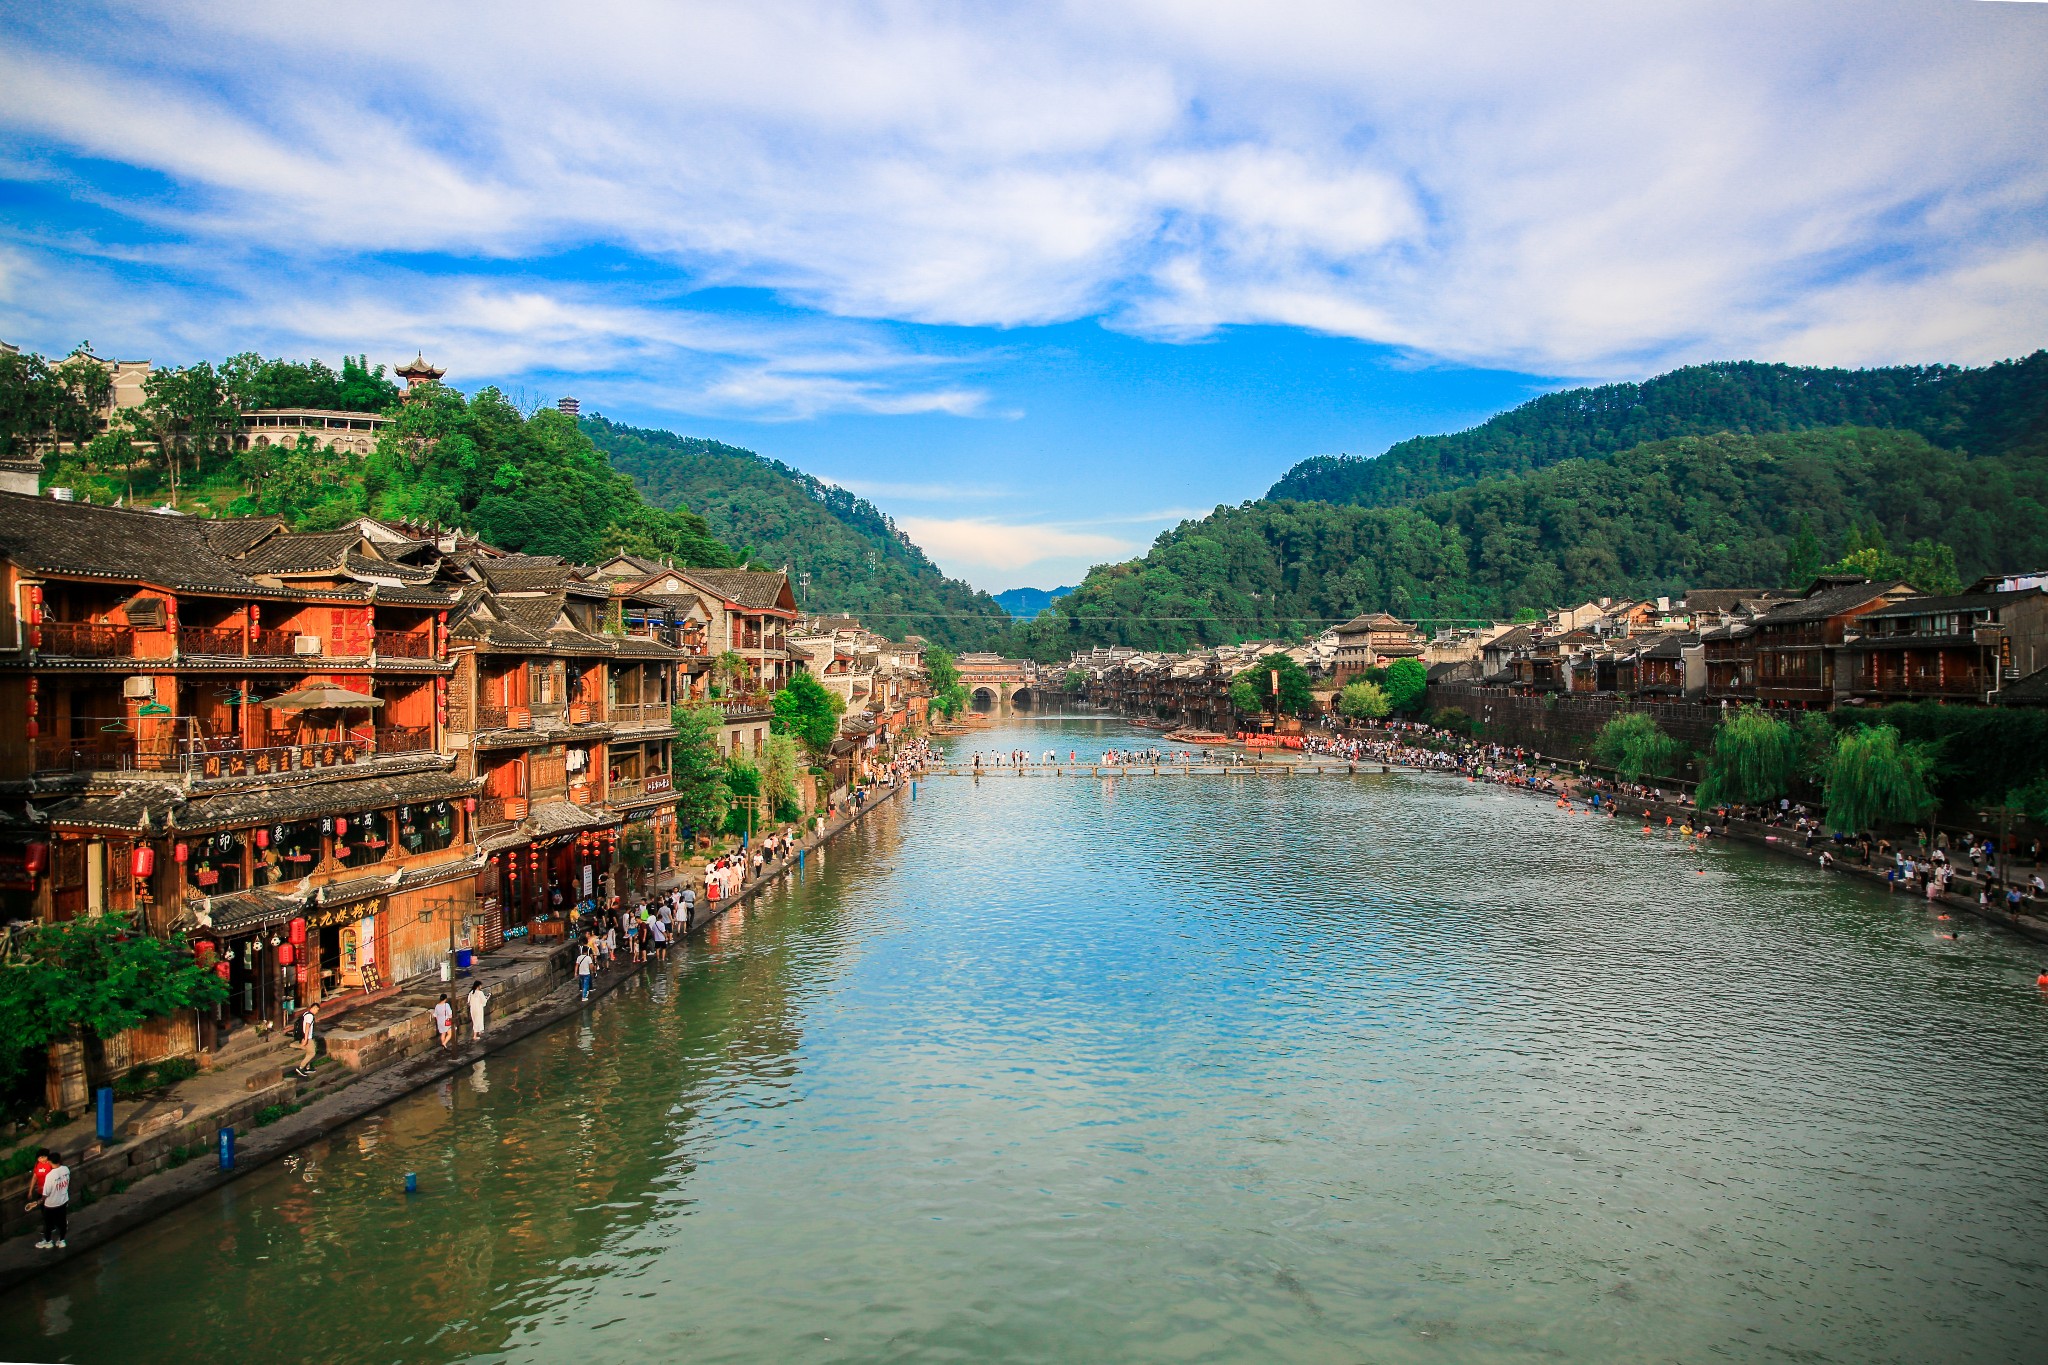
x,y
588,873
329,916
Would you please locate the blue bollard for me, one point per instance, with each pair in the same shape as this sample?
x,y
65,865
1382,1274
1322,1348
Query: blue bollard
x,y
227,1149
412,1182
104,1127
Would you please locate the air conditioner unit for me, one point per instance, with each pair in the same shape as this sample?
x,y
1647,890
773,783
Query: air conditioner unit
x,y
139,689
305,644
518,718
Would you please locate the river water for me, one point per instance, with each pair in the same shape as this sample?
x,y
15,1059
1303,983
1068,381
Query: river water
x,y
1385,1068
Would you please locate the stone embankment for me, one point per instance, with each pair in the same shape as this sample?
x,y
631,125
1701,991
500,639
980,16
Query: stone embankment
x,y
165,1151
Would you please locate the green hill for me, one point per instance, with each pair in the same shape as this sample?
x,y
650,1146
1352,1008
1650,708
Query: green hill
x,y
1659,517
1981,411
857,561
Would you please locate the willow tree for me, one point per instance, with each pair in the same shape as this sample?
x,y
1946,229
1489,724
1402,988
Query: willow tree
x,y
1635,747
1754,757
1873,777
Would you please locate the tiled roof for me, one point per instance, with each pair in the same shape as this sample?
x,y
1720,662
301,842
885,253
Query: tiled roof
x,y
75,538
1827,602
321,552
366,567
1967,601
231,536
166,807
753,588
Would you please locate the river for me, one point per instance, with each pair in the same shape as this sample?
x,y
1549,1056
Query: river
x,y
1390,1068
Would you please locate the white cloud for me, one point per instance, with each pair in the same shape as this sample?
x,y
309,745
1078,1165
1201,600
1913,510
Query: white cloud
x,y
971,546
1594,189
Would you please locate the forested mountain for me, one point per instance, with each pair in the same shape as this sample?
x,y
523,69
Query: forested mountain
x,y
857,561
1025,603
2003,407
1695,511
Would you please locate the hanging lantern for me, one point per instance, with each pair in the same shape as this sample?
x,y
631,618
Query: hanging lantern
x,y
182,853
286,955
36,858
222,970
327,825
144,863
263,838
469,804
340,828
274,939
298,931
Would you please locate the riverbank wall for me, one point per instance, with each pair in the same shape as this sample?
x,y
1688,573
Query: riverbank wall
x,y
151,1172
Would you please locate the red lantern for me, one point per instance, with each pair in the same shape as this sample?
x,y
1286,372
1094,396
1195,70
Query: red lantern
x,y
469,804
33,728
340,828
182,853
263,838
222,970
36,858
298,931
145,860
285,954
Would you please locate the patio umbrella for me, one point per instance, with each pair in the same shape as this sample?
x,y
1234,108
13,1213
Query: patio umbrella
x,y
324,697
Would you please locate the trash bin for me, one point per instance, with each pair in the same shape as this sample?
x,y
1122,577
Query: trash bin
x,y
462,959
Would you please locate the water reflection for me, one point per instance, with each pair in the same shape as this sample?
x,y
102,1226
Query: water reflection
x,y
1191,1067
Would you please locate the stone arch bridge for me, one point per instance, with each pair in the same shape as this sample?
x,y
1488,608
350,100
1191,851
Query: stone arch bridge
x,y
1000,686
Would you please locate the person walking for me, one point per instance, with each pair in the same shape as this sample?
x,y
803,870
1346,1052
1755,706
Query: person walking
x,y
477,1000
306,1022
55,1198
444,1019
584,966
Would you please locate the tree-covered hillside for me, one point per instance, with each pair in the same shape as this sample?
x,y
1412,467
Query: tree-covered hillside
x,y
533,484
858,562
1696,511
1983,411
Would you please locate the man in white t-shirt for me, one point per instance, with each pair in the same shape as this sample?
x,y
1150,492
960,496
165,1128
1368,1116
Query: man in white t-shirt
x,y
444,1020
585,965
55,1198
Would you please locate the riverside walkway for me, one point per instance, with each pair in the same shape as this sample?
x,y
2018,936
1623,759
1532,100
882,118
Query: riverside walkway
x,y
1254,767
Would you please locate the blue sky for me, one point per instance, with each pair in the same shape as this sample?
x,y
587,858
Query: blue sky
x,y
1040,279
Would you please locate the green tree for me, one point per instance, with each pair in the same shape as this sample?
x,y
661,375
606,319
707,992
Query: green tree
x,y
1873,777
1927,564
40,402
781,762
949,694
91,978
1802,557
1407,683
1363,700
1635,747
1295,694
730,670
1245,697
743,780
1754,757
1076,680
697,768
189,411
810,711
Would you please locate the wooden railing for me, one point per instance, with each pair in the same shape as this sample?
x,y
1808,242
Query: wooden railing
x,y
84,640
85,754
491,718
273,644
404,739
404,644
219,640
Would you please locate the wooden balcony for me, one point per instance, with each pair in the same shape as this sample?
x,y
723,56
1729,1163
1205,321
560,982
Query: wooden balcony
x,y
218,641
404,644
274,644
404,739
84,640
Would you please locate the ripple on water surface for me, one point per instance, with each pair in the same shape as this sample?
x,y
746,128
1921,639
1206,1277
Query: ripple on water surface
x,y
1386,1067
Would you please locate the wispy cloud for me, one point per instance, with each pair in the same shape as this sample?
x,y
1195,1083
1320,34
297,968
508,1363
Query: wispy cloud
x,y
1610,188
975,545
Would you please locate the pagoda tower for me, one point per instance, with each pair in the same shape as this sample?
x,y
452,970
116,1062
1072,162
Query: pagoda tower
x,y
417,371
